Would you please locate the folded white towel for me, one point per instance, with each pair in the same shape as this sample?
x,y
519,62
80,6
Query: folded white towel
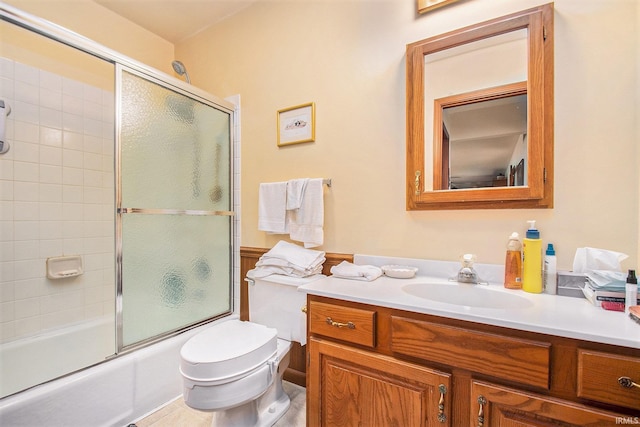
x,y
295,254
347,270
295,192
268,270
307,224
272,199
291,260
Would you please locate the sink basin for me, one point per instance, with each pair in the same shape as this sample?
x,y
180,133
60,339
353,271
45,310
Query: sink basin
x,y
479,296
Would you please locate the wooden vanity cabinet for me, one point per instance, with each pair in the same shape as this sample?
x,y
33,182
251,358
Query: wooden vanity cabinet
x,y
376,366
353,387
494,405
600,375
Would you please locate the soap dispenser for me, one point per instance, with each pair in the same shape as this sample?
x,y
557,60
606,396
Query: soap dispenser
x,y
532,260
513,263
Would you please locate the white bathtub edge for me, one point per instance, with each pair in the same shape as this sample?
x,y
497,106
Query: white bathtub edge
x,y
114,393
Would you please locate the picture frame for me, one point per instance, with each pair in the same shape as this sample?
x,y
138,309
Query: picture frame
x,y
429,5
297,124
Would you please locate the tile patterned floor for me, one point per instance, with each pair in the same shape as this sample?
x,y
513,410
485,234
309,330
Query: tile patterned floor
x,y
177,414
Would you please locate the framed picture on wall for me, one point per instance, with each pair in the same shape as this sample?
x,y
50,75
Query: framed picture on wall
x,y
427,5
297,124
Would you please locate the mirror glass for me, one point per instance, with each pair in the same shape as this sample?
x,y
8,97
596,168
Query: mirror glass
x,y
484,143
478,131
480,115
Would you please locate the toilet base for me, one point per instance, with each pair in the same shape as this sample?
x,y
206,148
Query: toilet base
x,y
265,410
253,413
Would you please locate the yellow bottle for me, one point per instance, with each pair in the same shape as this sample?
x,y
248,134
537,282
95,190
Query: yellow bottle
x,y
532,260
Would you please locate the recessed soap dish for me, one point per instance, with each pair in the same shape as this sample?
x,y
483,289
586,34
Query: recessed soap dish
x,y
61,267
399,271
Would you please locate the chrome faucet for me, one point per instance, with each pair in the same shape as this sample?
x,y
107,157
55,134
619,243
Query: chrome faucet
x,y
467,274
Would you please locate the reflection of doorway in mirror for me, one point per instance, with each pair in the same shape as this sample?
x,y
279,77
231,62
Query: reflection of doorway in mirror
x,y
479,136
468,74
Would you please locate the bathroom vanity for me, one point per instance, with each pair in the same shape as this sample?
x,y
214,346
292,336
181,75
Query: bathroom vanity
x,y
401,352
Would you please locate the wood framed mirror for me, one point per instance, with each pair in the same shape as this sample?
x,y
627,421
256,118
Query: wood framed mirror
x,y
480,115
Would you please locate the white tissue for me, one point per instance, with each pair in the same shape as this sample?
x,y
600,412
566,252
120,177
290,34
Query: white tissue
x,y
589,259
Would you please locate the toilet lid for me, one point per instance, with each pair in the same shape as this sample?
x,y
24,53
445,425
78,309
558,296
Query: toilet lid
x,y
227,350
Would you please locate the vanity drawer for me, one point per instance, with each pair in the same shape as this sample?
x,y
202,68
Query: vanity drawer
x,y
598,375
344,323
513,359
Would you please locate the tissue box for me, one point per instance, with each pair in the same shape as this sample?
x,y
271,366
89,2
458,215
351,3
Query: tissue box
x,y
570,284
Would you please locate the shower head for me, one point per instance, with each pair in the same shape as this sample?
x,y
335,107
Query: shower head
x,y
181,70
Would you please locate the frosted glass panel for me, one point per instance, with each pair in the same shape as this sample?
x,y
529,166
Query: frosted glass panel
x,y
173,143
176,271
175,179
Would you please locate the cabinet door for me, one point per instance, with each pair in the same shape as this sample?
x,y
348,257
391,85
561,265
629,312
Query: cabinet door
x,y
494,406
353,387
600,375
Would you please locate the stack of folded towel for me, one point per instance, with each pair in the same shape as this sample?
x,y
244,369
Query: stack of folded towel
x,y
347,270
290,260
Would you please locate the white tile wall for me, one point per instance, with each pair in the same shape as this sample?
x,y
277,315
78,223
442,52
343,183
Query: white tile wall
x,y
56,198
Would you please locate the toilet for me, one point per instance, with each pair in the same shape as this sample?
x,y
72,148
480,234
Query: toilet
x,y
234,368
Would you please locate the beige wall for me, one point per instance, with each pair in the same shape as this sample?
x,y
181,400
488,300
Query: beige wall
x,y
93,21
348,58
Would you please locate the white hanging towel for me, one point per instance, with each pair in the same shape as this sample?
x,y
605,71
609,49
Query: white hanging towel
x,y
295,192
272,213
307,224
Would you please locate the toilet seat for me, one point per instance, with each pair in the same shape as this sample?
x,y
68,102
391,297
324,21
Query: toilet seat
x,y
227,351
230,393
235,368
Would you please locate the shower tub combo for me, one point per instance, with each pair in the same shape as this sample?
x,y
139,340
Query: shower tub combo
x,y
136,181
113,393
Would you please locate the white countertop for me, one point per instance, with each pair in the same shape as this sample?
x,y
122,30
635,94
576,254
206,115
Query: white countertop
x,y
548,314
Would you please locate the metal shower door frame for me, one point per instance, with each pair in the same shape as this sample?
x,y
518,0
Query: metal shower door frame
x,y
120,210
64,36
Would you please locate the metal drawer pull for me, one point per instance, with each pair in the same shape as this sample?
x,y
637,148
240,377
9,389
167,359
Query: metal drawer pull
x,y
349,325
441,416
481,401
627,382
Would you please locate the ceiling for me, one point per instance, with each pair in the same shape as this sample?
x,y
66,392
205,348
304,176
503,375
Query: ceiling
x,y
175,20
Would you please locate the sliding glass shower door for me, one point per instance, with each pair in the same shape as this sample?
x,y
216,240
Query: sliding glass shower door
x,y
174,209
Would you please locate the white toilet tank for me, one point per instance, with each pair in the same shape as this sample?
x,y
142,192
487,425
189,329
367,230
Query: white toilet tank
x,y
275,301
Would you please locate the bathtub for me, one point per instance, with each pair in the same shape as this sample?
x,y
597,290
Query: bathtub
x,y
23,363
113,393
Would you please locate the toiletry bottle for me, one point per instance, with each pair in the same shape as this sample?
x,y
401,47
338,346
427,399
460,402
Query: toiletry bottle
x,y
532,260
513,263
631,295
550,271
